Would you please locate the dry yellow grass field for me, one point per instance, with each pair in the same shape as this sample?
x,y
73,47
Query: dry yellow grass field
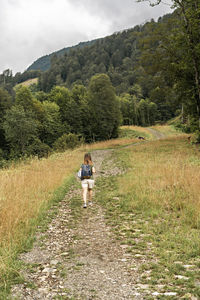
x,y
26,187
109,144
165,173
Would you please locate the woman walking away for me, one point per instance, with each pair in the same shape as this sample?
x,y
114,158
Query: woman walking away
x,y
87,170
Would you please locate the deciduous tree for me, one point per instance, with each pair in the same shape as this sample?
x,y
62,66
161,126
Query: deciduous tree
x,y
104,108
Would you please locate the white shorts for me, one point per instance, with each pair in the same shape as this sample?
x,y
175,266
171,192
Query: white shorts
x,y
87,183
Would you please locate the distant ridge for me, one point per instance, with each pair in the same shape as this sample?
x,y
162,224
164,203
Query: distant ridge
x,y
43,63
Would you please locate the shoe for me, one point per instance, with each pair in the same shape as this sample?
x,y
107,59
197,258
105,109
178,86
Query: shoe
x,y
90,203
85,205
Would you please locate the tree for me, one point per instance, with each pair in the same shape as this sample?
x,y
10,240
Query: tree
x,y
81,110
143,113
136,90
153,113
184,50
20,128
51,123
128,106
5,104
125,109
69,109
24,98
104,108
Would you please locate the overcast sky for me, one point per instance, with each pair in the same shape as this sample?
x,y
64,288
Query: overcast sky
x,y
30,29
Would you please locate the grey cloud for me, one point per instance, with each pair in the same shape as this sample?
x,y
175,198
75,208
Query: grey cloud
x,y
123,14
37,37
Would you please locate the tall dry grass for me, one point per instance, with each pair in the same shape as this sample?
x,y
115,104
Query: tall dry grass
x,y
164,174
25,188
113,143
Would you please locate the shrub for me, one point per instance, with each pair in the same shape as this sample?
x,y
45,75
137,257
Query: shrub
x,y
196,137
38,148
3,162
66,141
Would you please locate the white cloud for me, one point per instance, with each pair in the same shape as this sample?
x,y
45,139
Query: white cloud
x,y
32,28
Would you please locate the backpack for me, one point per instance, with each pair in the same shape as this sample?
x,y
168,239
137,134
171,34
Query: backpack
x,y
86,171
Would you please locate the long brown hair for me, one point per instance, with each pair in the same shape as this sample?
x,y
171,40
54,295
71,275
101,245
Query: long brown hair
x,y
87,159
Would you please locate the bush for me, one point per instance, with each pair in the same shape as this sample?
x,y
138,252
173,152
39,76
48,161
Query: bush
x,y
178,125
196,137
189,126
66,141
38,148
3,162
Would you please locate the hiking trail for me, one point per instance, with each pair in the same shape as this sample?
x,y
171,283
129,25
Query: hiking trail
x,y
79,257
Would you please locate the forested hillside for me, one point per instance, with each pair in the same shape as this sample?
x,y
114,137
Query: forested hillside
x,y
43,63
139,76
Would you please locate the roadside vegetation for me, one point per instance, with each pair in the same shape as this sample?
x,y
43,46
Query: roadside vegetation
x,y
27,191
154,209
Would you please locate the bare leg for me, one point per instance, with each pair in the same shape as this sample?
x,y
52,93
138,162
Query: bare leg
x,y
85,196
90,195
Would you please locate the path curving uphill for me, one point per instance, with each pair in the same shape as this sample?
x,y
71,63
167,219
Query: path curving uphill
x,y
157,134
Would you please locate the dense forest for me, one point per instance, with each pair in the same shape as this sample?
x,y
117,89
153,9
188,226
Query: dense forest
x,y
43,63
143,75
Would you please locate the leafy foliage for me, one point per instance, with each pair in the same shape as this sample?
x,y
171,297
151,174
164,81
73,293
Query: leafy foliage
x,y
66,141
139,76
20,129
104,114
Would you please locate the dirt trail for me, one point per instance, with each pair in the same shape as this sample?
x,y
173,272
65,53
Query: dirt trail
x,y
80,260
157,134
79,257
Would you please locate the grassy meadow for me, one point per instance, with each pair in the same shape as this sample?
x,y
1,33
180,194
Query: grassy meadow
x,y
159,188
167,130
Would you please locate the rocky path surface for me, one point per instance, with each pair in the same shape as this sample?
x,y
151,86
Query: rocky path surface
x,y
79,257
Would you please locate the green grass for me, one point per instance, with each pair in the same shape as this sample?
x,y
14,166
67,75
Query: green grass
x,y
168,130
164,232
130,133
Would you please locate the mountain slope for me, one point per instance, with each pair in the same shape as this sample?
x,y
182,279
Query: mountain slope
x,y
43,63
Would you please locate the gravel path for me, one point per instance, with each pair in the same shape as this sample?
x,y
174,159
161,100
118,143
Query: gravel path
x,y
80,258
